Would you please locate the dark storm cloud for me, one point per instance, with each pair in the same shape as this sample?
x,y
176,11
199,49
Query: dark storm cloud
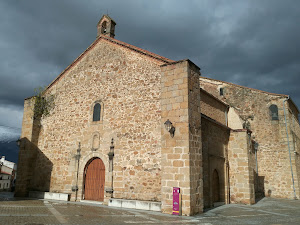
x,y
252,43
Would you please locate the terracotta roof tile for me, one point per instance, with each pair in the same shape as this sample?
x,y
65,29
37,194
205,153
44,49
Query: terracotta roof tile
x,y
265,92
243,86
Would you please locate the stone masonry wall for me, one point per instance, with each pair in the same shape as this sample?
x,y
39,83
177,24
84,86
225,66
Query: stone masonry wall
x,y
26,155
241,170
195,142
127,85
182,154
294,139
30,155
213,108
215,139
253,107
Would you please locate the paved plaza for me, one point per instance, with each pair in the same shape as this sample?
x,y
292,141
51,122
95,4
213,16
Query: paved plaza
x,y
37,212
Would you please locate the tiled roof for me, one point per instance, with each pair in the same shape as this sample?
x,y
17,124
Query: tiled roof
x,y
108,17
244,87
265,92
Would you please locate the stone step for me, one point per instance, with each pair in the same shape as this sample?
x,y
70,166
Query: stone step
x,y
49,195
92,202
135,204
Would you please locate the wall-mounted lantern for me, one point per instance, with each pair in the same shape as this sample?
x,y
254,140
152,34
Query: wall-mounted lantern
x,y
169,127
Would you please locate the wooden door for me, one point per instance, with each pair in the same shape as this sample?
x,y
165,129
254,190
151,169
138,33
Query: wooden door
x,y
94,180
216,186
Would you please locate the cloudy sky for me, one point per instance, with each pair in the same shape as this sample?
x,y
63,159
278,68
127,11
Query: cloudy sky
x,y
255,43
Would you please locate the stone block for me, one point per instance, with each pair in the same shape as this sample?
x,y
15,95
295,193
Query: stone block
x,y
49,195
155,206
130,204
143,205
135,204
115,202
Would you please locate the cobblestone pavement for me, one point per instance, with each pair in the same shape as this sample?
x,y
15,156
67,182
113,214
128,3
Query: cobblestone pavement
x,y
37,212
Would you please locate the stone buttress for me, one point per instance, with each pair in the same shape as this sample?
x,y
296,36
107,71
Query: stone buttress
x,y
181,154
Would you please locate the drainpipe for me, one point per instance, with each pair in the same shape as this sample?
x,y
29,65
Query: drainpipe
x,y
287,135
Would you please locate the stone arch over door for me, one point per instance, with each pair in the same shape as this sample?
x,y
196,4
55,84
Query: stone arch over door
x,y
216,195
87,157
94,180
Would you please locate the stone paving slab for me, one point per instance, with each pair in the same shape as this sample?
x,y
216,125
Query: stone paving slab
x,y
41,212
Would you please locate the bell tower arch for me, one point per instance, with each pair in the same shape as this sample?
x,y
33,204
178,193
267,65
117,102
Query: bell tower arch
x,y
106,26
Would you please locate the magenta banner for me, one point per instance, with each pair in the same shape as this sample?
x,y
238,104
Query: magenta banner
x,y
176,201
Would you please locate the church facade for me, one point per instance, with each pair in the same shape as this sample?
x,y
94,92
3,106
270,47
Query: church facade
x,y
128,124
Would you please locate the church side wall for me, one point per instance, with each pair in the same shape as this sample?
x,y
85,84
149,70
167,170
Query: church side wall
x,y
127,85
253,108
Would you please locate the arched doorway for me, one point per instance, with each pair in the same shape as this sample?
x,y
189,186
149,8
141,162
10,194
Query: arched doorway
x,y
216,186
94,180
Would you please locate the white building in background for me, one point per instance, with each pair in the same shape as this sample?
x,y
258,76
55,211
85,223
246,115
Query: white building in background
x,y
7,174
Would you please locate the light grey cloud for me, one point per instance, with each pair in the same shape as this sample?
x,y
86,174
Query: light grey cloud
x,y
8,134
11,116
252,43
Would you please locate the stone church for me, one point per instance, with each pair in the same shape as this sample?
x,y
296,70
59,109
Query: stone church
x,y
128,125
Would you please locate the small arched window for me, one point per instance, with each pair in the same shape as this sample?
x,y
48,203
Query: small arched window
x,y
274,112
97,111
